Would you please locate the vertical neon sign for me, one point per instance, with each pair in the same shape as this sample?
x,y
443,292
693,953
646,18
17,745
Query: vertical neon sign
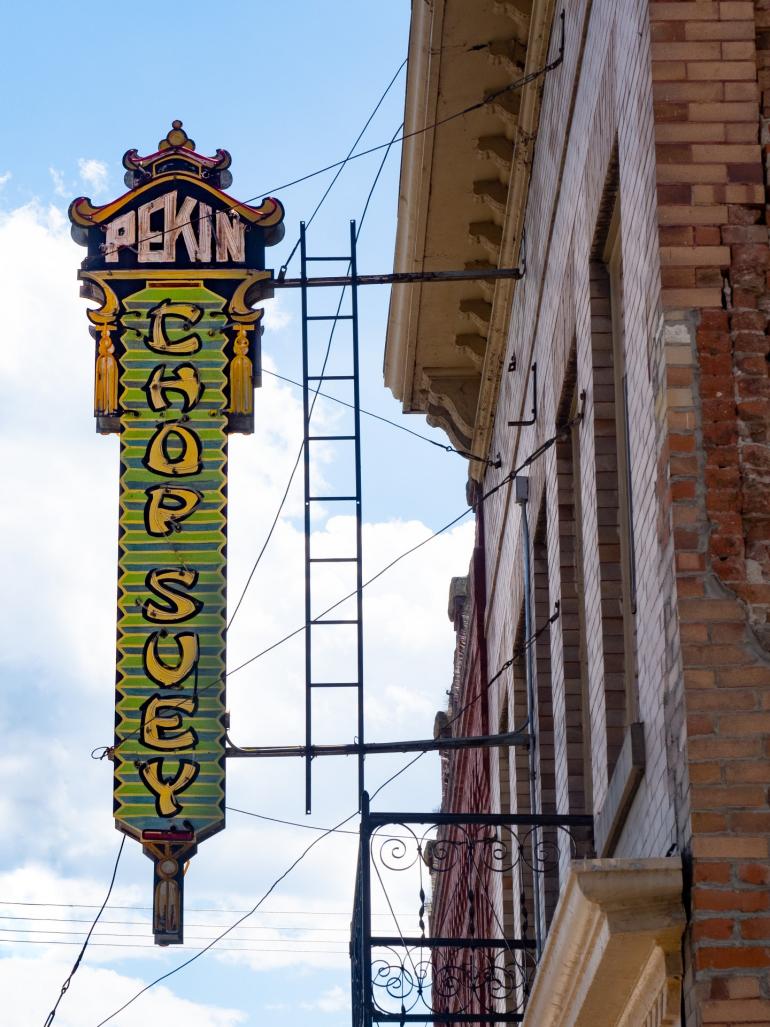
x,y
175,265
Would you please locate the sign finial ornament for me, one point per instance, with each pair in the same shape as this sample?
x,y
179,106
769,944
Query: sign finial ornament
x,y
176,138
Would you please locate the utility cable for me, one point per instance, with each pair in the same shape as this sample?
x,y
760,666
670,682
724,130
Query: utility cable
x,y
297,861
394,424
303,854
518,83
543,448
518,653
192,937
145,923
191,909
285,266
564,429
233,926
323,369
350,595
142,945
269,535
76,966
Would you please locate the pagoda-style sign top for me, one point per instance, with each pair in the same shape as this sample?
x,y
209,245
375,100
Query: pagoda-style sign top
x,y
211,169
192,224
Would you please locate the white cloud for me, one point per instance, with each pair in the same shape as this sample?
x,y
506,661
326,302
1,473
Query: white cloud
x,y
334,1000
29,987
276,316
94,173
59,185
5,178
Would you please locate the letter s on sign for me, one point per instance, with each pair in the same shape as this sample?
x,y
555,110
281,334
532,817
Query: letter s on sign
x,y
176,606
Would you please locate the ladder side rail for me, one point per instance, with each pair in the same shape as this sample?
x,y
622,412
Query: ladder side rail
x,y
306,474
359,510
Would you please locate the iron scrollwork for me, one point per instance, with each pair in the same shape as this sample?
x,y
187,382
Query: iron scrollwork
x,y
408,981
464,953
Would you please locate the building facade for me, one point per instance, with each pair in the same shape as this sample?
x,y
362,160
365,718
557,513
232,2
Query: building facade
x,y
624,573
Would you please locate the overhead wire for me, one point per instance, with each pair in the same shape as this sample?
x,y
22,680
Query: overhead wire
x,y
538,452
327,832
223,934
76,966
482,691
518,83
325,362
191,937
141,945
191,909
285,266
146,923
394,424
505,480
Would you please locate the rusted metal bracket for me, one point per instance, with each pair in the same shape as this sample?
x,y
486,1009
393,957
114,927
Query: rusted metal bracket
x,y
398,278
508,738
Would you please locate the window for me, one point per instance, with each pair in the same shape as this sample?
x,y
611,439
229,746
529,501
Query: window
x,y
571,701
613,486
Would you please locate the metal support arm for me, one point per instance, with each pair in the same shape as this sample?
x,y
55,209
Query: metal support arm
x,y
374,748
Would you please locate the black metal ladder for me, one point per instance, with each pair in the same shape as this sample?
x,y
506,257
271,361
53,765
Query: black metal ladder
x,y
313,379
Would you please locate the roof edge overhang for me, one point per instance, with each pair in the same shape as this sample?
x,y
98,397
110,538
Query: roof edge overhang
x,y
451,371
416,161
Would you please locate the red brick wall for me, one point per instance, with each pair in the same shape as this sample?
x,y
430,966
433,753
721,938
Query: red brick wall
x,y
713,234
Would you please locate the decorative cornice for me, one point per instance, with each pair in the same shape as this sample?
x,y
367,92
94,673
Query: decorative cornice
x,y
613,918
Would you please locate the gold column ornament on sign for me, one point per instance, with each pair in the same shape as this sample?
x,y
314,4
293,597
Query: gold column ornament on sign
x,y
241,374
176,266
106,376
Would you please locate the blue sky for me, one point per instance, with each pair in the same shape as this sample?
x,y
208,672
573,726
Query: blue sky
x,y
286,89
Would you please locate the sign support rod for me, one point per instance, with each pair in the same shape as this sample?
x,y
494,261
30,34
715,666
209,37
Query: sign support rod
x,y
399,278
374,748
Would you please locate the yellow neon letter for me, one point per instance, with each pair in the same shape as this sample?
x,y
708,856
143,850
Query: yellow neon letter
x,y
184,379
162,672
188,313
164,789
160,460
162,723
166,507
176,606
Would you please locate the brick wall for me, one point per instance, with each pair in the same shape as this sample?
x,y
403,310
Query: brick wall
x,y
694,244
678,93
713,234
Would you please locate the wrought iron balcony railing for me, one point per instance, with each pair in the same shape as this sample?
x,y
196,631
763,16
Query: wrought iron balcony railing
x,y
456,892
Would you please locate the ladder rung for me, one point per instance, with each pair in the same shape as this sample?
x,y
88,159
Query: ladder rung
x,y
317,260
354,621
330,317
332,499
334,684
333,559
330,438
330,377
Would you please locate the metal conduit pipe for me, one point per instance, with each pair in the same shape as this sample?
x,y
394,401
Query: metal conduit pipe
x,y
522,498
